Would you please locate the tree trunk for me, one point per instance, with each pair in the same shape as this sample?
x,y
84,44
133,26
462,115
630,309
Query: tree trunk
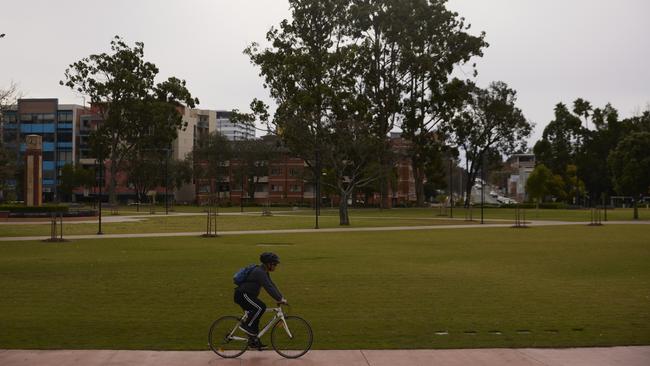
x,y
112,187
344,217
468,192
418,175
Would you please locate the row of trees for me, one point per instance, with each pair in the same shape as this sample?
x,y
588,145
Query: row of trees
x,y
587,153
345,73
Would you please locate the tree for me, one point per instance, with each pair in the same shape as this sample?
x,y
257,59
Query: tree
x,y
488,121
8,166
209,160
144,171
558,145
180,172
73,177
67,182
314,74
7,170
136,112
630,166
253,157
542,183
433,41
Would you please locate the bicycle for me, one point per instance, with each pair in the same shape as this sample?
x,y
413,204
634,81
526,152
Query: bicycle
x,y
291,336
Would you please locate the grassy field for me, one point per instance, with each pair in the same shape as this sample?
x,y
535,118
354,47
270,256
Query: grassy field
x,y
167,224
539,287
304,219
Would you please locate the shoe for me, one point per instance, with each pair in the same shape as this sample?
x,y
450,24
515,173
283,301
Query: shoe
x,y
248,330
254,342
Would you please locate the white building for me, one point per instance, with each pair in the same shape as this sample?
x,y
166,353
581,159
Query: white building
x,y
233,131
522,165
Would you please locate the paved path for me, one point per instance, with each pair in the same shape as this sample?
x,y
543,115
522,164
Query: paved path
x,y
623,356
331,230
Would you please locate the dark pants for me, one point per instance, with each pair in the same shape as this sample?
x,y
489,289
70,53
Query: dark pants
x,y
255,308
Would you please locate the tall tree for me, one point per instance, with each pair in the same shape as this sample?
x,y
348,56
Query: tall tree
x,y
8,164
630,165
135,110
558,146
314,75
488,121
433,40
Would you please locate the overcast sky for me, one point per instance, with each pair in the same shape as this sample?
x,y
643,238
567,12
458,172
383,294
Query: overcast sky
x,y
549,51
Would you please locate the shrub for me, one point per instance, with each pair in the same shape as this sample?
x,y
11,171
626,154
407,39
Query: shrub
x,y
34,209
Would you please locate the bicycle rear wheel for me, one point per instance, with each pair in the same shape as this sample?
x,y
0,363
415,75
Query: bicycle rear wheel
x,y
292,338
226,339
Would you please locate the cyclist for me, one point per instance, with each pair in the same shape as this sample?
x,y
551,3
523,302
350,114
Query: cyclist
x,y
246,296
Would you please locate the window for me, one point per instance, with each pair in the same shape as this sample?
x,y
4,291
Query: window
x,y
276,171
27,118
293,172
294,188
204,188
65,136
65,116
276,188
48,174
65,156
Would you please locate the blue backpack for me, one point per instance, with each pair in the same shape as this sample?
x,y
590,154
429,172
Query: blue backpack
x,y
241,275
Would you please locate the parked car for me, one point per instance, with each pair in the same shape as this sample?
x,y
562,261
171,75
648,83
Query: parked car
x,y
505,200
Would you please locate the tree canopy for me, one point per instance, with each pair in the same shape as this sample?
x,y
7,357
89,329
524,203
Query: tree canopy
x,y
136,111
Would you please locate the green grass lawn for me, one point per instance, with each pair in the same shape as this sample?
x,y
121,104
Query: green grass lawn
x,y
619,214
304,219
539,287
167,224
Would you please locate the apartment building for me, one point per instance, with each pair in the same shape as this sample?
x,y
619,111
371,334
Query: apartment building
x,y
57,124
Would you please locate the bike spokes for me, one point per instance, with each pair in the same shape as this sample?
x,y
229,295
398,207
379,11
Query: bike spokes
x,y
226,339
292,337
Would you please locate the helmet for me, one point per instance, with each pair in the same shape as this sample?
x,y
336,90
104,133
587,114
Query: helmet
x,y
269,257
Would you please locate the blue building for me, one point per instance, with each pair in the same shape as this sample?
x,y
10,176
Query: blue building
x,y
58,126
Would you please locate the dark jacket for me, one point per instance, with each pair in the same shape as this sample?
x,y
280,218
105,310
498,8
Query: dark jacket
x,y
257,279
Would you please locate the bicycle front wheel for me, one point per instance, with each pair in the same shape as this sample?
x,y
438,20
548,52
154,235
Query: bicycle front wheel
x,y
292,337
226,339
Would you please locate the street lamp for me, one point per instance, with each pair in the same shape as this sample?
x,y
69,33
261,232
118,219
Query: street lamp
x,y
451,190
317,188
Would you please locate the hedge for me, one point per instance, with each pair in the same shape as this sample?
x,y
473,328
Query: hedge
x,y
34,209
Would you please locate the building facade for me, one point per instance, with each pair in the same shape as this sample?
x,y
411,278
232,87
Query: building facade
x,y
57,124
521,165
233,131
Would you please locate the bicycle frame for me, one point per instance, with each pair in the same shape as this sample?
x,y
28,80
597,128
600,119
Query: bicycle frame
x,y
279,316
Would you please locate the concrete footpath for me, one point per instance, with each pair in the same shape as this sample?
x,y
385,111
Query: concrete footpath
x,y
610,356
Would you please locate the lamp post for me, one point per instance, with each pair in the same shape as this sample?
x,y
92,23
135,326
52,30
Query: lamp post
x,y
451,190
482,186
167,151
100,184
317,188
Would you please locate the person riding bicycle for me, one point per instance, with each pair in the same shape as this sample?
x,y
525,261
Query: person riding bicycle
x,y
246,296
